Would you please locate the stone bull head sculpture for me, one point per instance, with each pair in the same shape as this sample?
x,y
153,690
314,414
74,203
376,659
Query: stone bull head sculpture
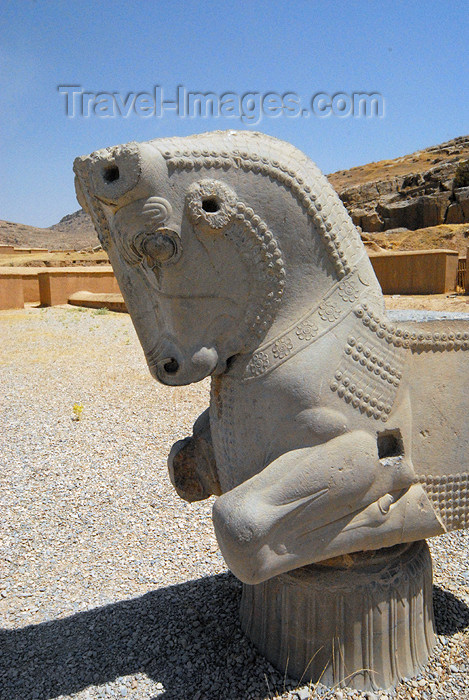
x,y
332,429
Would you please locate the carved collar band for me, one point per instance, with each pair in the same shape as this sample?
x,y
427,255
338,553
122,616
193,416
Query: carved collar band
x,y
332,309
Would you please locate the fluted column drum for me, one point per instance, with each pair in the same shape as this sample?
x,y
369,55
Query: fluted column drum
x,y
363,621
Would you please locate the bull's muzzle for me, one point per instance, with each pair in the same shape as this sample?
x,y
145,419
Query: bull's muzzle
x,y
175,369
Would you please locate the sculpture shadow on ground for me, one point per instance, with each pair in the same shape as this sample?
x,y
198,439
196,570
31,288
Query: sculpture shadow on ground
x,y
186,636
451,613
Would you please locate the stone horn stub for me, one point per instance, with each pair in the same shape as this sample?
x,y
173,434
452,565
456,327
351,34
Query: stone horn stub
x,y
109,174
117,176
108,179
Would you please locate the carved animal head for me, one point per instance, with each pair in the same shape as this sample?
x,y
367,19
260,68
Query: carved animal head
x,y
215,240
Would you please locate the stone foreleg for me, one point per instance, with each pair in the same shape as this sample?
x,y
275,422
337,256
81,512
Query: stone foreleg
x,y
320,502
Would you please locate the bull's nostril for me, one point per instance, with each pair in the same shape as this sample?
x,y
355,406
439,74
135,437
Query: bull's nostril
x,y
111,173
171,367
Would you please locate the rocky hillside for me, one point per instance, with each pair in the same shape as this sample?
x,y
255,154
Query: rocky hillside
x,y
73,232
426,188
389,200
77,224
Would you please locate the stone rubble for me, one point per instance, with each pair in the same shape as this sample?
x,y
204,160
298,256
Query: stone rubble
x,y
110,585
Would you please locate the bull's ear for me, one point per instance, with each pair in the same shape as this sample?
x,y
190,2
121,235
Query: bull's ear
x,y
211,204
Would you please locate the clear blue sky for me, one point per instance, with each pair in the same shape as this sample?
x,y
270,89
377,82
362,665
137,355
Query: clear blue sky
x,y
415,54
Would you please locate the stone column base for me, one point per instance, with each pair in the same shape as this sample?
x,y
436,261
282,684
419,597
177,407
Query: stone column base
x,y
364,620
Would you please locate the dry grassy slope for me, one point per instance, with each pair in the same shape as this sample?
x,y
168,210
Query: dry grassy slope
x,y
449,236
418,162
73,232
64,258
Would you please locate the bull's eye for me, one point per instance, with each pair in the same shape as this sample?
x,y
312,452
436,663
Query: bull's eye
x,y
211,204
161,242
159,247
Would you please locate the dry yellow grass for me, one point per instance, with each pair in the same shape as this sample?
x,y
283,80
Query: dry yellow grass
x,y
432,302
58,259
417,162
449,236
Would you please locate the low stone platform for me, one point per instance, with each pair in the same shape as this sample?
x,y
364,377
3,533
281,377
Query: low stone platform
x,y
113,302
57,284
11,289
29,276
51,286
416,271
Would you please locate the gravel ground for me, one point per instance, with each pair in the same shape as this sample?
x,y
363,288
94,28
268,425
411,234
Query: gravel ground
x,y
110,585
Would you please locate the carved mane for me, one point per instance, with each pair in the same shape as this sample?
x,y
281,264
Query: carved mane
x,y
257,153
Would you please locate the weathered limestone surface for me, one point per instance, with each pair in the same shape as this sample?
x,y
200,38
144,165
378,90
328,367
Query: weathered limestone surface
x,y
384,593
332,430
